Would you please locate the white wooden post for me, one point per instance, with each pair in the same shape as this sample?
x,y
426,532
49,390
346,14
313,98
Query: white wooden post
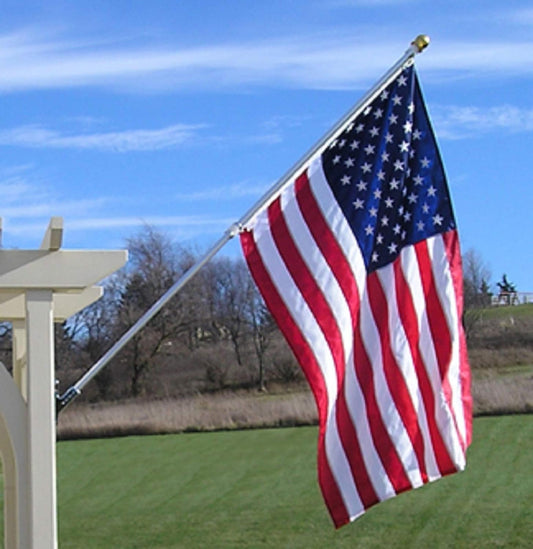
x,y
41,419
38,288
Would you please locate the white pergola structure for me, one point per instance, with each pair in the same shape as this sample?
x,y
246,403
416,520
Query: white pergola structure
x,y
37,288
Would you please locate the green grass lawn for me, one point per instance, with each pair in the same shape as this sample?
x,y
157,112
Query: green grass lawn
x,y
258,489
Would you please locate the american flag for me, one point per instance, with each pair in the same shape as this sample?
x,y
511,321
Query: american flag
x,y
358,261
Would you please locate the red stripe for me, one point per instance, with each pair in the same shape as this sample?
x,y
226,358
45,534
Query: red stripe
x,y
334,256
327,321
328,244
307,285
409,321
311,369
451,243
382,441
438,325
437,320
393,374
329,488
352,449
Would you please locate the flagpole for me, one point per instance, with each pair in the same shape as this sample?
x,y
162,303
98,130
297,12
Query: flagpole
x,y
75,390
417,46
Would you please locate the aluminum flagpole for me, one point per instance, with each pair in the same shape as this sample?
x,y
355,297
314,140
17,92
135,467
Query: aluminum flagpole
x,y
417,46
75,390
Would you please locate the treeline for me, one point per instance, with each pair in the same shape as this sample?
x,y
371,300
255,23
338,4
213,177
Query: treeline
x,y
215,333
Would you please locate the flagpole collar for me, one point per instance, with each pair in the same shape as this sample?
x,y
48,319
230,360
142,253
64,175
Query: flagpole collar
x,y
234,230
421,42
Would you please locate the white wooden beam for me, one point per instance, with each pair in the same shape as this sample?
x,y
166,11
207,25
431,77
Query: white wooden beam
x,y
60,270
13,308
53,237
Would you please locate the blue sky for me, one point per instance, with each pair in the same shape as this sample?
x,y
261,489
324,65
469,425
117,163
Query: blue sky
x,y
181,114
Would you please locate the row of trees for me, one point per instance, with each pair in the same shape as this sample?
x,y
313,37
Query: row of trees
x,y
215,331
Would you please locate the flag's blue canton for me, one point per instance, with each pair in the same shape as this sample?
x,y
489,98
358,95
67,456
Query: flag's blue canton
x,y
386,173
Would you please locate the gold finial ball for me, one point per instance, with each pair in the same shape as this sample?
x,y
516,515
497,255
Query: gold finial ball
x,y
421,42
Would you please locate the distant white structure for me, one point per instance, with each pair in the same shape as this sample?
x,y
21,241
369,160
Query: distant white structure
x,y
512,298
37,288
525,297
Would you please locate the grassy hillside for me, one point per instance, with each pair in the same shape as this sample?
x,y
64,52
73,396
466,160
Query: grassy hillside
x,y
258,489
500,347
501,337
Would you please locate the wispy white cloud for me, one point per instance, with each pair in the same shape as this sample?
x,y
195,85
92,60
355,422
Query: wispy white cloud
x,y
49,208
480,59
25,197
28,203
310,61
14,189
98,223
270,138
231,192
31,62
284,121
122,141
168,137
27,232
22,191
454,122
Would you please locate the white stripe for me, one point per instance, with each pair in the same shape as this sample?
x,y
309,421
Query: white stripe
x,y
354,395
296,304
389,413
340,468
319,267
338,223
311,331
426,347
402,354
337,302
446,291
348,243
359,415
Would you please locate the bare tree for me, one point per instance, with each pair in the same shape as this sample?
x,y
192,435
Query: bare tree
x,y
155,264
218,321
263,330
476,279
233,290
94,329
476,290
